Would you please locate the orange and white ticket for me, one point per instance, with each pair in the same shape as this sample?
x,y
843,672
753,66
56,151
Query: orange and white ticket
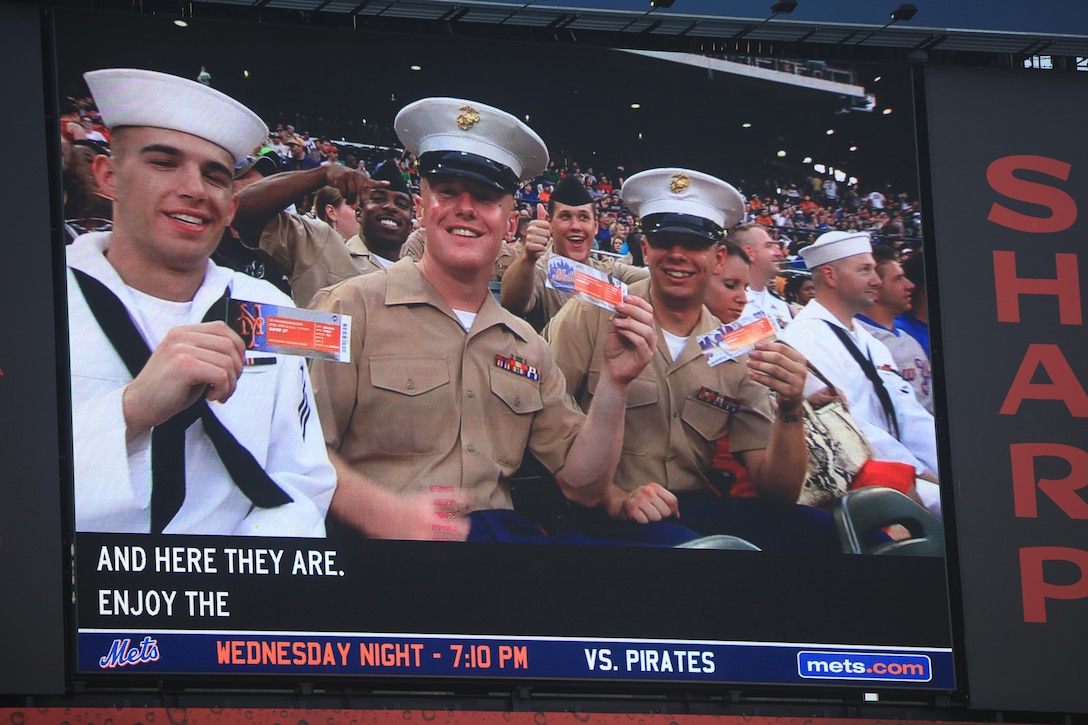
x,y
585,282
729,342
271,328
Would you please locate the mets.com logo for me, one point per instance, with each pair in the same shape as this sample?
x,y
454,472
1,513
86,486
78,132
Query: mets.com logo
x,y
858,666
123,653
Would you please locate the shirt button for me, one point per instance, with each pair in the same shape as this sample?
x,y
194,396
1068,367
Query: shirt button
x,y
470,393
409,385
471,447
517,402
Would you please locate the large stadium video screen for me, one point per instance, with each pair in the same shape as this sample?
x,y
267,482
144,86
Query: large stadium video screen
x,y
248,592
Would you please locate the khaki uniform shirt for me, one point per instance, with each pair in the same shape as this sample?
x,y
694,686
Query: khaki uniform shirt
x,y
417,240
364,259
424,403
312,253
545,302
675,409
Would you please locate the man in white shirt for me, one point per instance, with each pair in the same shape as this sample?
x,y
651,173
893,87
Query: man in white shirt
x,y
766,254
169,434
860,366
893,299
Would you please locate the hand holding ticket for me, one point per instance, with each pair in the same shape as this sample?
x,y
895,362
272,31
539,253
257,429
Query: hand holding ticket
x,y
290,331
585,282
730,341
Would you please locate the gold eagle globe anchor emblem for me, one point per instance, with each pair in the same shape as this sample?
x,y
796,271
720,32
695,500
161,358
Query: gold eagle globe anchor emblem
x,y
467,118
678,183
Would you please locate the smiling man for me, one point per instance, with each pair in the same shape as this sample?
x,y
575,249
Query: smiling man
x,y
313,254
176,428
567,228
446,390
385,217
680,406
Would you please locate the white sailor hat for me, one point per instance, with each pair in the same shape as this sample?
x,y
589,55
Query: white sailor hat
x,y
833,246
130,97
472,140
683,201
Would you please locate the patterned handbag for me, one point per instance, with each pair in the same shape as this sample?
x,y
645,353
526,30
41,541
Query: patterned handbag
x,y
837,449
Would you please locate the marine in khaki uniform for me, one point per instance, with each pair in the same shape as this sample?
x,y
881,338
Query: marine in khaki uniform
x,y
680,405
312,252
445,389
567,228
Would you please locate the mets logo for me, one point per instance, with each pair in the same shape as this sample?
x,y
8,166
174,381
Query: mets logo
x,y
562,272
467,118
122,653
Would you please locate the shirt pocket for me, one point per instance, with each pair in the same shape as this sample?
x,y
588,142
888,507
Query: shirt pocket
x,y
709,421
517,400
410,404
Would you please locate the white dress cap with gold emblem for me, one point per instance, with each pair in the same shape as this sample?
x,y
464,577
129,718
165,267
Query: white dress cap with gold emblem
x,y
130,97
466,138
682,191
833,246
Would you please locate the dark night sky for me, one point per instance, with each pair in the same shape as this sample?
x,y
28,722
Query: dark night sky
x,y
577,97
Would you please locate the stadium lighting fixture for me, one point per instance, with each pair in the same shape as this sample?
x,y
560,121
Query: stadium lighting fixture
x,y
181,23
784,7
781,154
905,11
661,3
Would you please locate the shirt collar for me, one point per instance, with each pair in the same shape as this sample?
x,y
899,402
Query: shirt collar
x,y
874,323
406,286
88,254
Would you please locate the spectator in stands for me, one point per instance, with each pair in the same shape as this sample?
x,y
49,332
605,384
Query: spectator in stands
x,y
331,207
150,351
915,322
278,146
727,294
894,298
331,155
565,228
799,291
766,255
385,216
686,405
86,209
825,332
312,253
618,233
424,445
298,160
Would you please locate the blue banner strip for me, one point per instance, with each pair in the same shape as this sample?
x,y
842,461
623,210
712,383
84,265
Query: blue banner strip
x,y
248,653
